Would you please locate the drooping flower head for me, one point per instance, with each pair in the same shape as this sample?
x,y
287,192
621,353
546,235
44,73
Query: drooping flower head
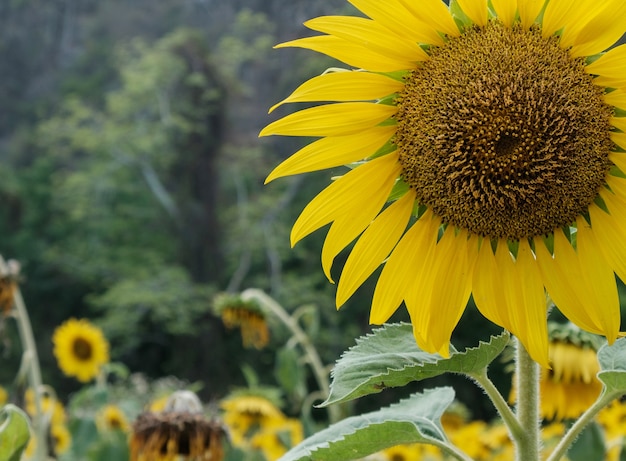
x,y
245,314
488,141
80,348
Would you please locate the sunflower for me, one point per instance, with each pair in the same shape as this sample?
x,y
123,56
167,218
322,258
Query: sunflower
x,y
61,438
112,418
487,142
247,315
80,348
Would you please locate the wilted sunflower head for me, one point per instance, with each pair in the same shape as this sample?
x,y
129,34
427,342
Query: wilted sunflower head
x,y
80,348
488,147
245,314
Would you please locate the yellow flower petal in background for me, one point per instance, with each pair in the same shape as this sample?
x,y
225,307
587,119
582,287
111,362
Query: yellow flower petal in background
x,y
333,151
476,10
344,86
395,17
374,246
332,202
331,120
351,53
610,68
505,10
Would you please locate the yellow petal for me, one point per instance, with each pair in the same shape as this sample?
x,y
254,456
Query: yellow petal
x,y
616,98
476,10
564,280
619,123
602,31
403,267
331,120
529,10
333,151
610,232
601,279
505,10
369,34
351,53
346,193
486,286
564,14
620,140
368,198
433,12
610,68
441,293
577,16
395,17
526,301
374,246
344,86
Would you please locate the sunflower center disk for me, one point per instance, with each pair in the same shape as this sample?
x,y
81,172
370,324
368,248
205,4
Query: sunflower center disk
x,y
503,133
82,349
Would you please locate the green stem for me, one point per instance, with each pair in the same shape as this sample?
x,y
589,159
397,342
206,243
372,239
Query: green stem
x,y
566,442
505,412
527,379
452,450
32,361
319,370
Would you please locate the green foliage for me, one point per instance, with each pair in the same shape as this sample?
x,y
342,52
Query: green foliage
x,y
390,357
14,432
589,445
613,367
414,420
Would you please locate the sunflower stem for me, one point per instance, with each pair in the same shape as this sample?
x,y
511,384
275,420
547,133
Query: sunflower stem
x,y
570,436
527,380
319,370
33,369
498,401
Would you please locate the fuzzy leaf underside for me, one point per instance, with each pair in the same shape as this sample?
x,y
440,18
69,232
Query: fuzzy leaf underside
x,y
14,432
613,366
390,357
413,420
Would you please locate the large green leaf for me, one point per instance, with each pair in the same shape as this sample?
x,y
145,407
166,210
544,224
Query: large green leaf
x,y
414,420
389,357
14,433
613,366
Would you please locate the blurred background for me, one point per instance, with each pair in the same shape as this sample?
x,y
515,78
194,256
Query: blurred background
x,y
131,185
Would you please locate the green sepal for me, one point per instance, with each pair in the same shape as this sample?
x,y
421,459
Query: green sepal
x,y
14,432
413,420
389,357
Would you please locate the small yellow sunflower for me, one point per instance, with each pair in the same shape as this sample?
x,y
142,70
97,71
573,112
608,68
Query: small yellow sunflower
x,y
495,132
52,409
112,418
80,348
244,415
276,437
61,438
247,315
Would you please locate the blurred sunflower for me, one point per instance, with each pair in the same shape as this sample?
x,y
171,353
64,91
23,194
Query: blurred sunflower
x,y
53,410
80,348
493,130
244,415
247,315
61,438
112,418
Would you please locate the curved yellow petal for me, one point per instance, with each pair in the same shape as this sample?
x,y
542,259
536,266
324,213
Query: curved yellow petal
x,y
564,280
566,14
343,86
395,17
331,120
374,246
526,300
602,31
577,16
368,198
476,10
403,267
486,286
601,279
440,294
333,151
610,232
346,194
369,34
433,12
505,9
610,68
529,11
351,53
620,140
619,123
616,98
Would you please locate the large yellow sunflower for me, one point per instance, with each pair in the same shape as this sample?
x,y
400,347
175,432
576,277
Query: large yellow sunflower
x,y
495,132
80,348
